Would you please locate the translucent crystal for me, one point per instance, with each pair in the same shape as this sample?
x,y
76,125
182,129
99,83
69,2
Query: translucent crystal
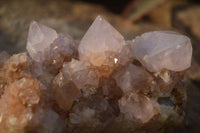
x,y
65,92
138,107
163,49
133,78
101,43
80,73
52,50
166,80
62,49
126,55
93,110
39,40
105,84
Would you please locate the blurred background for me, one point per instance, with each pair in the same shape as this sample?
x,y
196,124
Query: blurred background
x,y
130,17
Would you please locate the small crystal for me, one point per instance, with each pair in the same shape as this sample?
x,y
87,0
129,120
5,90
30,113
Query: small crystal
x,y
91,111
65,92
133,78
138,107
80,73
61,50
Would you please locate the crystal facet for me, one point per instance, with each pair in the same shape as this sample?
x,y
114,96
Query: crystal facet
x,y
100,42
39,40
133,78
80,73
138,107
163,49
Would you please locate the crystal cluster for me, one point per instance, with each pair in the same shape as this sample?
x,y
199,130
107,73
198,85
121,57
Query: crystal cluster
x,y
104,83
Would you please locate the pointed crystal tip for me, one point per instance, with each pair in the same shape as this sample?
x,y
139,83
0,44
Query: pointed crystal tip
x,y
100,40
39,40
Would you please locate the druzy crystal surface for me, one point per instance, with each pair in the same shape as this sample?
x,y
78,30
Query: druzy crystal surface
x,y
103,84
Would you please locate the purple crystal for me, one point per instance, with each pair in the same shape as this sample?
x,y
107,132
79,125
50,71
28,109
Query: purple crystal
x,y
104,84
39,40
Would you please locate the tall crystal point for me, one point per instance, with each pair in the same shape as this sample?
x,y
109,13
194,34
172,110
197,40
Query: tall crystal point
x,y
39,40
99,42
163,49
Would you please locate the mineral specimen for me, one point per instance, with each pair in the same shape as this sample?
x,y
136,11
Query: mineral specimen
x,y
103,84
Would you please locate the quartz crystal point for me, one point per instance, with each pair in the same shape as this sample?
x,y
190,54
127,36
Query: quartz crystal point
x,y
39,40
163,49
100,43
65,92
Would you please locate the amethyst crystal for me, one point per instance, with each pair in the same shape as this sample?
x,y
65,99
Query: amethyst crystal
x,y
163,50
103,84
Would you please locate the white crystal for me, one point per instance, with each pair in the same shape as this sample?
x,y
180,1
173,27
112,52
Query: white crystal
x,y
100,42
39,40
163,49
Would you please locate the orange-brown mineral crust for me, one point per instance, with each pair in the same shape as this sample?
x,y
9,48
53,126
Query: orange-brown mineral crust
x,y
20,94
